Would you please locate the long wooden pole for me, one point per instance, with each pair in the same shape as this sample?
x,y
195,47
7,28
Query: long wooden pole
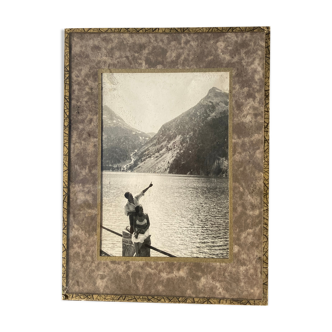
x,y
116,233
151,247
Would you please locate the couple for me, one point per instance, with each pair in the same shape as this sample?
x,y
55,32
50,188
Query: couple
x,y
139,221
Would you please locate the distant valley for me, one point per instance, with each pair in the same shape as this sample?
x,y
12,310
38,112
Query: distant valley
x,y
119,140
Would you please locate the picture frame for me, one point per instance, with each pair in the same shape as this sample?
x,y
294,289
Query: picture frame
x,y
86,275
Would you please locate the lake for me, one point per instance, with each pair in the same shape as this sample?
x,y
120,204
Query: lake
x,y
189,215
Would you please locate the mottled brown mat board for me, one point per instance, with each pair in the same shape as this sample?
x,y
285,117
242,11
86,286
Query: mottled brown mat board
x,y
244,278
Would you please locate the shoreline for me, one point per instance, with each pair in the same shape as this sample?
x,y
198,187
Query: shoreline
x,y
167,174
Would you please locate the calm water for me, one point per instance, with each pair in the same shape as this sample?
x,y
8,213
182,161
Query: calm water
x,y
188,214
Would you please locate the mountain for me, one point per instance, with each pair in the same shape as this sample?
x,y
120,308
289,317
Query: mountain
x,y
196,142
119,139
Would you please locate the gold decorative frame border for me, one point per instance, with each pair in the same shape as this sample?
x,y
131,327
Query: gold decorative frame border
x,y
166,299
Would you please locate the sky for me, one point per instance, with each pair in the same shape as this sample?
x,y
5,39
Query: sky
x,y
146,101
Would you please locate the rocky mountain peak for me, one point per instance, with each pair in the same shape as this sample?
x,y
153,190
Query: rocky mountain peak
x,y
195,142
119,140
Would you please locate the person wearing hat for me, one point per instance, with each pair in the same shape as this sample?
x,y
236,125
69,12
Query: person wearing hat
x,y
130,206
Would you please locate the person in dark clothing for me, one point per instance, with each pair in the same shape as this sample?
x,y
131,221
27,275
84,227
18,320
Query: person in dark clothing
x,y
141,225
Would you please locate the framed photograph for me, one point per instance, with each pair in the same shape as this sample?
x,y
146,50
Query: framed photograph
x,y
166,165
175,139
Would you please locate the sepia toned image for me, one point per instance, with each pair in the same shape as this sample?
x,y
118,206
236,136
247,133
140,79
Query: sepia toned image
x,y
167,186
165,168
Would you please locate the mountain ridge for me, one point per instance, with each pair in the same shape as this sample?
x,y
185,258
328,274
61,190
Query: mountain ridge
x,y
119,140
195,142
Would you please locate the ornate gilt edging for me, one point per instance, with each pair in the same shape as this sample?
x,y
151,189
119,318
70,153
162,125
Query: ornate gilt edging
x,y
158,299
167,30
266,166
65,164
167,299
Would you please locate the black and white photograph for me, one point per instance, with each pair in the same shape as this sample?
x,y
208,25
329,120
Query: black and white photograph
x,y
165,168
